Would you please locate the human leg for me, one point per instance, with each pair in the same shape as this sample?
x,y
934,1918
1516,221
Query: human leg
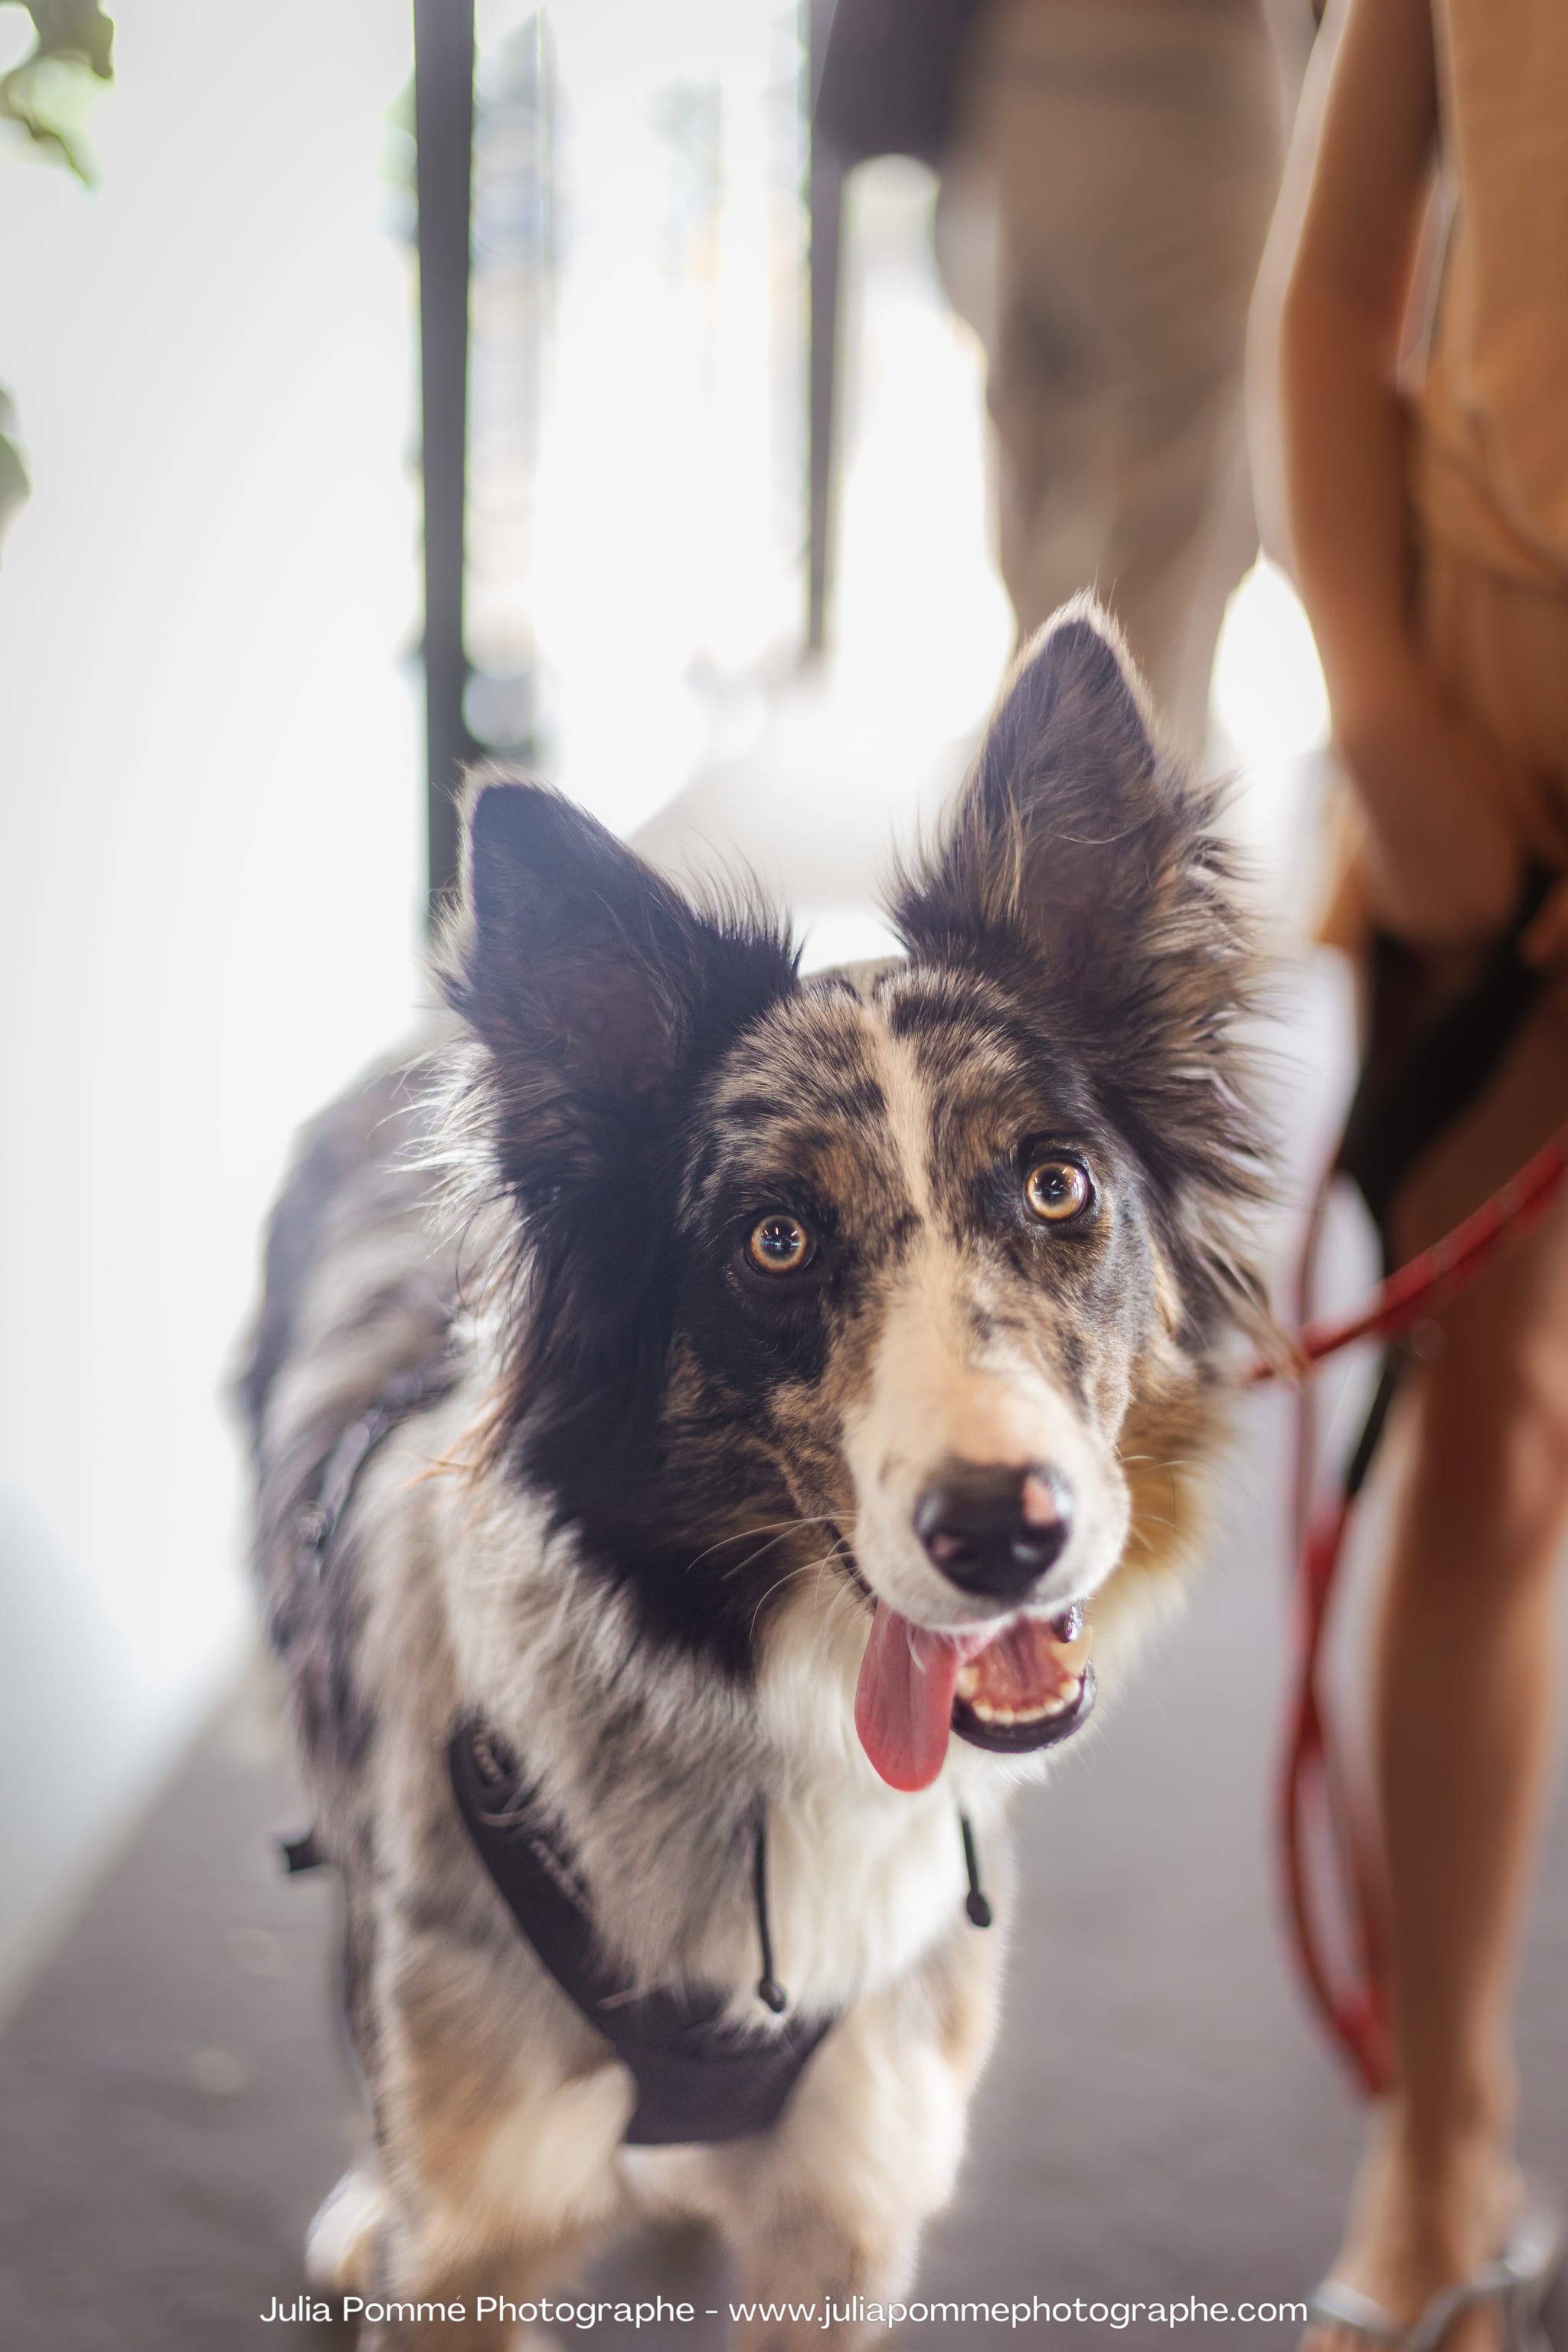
x,y
1130,157
1464,1702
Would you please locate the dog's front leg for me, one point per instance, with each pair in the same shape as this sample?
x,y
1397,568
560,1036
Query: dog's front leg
x,y
869,2150
482,2305
452,2280
808,2275
498,2163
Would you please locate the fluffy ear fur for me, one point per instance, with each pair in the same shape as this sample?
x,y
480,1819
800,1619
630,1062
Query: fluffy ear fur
x,y
594,986
1083,867
596,996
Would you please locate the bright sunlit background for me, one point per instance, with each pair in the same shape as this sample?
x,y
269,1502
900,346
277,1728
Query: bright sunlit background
x,y
209,708
214,807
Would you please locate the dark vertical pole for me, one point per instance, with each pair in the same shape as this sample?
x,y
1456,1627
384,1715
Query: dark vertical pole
x,y
825,204
443,135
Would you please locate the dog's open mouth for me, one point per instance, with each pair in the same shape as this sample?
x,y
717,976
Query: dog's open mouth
x,y
1023,1684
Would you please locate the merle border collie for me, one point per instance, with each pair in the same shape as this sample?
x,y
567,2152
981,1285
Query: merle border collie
x,y
716,1433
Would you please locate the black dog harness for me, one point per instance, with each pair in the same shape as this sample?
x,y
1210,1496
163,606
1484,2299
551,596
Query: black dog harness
x,y
698,2076
1420,1075
700,2079
1417,1077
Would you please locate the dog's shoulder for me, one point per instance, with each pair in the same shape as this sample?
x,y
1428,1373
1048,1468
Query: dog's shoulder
x,y
351,1249
361,1287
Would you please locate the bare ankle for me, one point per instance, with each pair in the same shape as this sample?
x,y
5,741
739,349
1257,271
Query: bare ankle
x,y
1465,2121
1454,2177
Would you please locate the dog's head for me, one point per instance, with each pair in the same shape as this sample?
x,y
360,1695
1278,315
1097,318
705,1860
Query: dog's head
x,y
893,1293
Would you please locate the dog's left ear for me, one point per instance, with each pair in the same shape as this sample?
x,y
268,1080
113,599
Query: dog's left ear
x,y
1082,867
1074,830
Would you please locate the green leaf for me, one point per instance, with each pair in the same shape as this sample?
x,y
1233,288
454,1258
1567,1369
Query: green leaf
x,y
15,484
48,95
77,30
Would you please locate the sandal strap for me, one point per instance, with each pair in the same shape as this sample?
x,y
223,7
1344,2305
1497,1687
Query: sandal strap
x,y
1337,2305
1519,2275
1533,2251
1494,2283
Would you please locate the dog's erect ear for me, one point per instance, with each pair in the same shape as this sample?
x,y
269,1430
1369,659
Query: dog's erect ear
x,y
1081,858
1071,825
591,981
577,952
1082,868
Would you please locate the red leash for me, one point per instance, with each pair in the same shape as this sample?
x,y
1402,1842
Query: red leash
x,y
1448,1266
1351,1991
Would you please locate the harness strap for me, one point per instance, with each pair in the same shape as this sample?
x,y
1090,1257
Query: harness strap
x,y
769,1992
698,2076
319,1522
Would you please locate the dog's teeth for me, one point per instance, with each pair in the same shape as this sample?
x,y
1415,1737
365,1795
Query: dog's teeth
x,y
968,1682
1007,1715
1003,1717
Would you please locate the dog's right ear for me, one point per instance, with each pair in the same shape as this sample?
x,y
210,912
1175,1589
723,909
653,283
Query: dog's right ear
x,y
594,986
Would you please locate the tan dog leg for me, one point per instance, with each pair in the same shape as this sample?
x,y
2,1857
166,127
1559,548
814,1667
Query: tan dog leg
x,y
804,2256
500,2170
868,2152
340,2249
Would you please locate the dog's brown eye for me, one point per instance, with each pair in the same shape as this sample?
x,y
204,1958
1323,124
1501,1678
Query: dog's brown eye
x,y
1057,1190
779,1245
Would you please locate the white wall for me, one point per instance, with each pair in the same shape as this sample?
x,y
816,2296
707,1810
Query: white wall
x,y
209,763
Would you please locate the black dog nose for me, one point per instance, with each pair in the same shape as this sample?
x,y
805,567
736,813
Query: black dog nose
x,y
996,1530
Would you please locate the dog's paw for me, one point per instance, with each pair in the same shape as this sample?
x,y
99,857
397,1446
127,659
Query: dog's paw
x,y
342,2238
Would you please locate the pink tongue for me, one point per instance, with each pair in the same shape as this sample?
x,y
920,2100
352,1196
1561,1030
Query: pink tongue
x,y
903,1701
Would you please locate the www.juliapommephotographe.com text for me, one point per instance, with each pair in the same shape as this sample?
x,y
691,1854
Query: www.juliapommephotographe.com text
x,y
1038,2311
